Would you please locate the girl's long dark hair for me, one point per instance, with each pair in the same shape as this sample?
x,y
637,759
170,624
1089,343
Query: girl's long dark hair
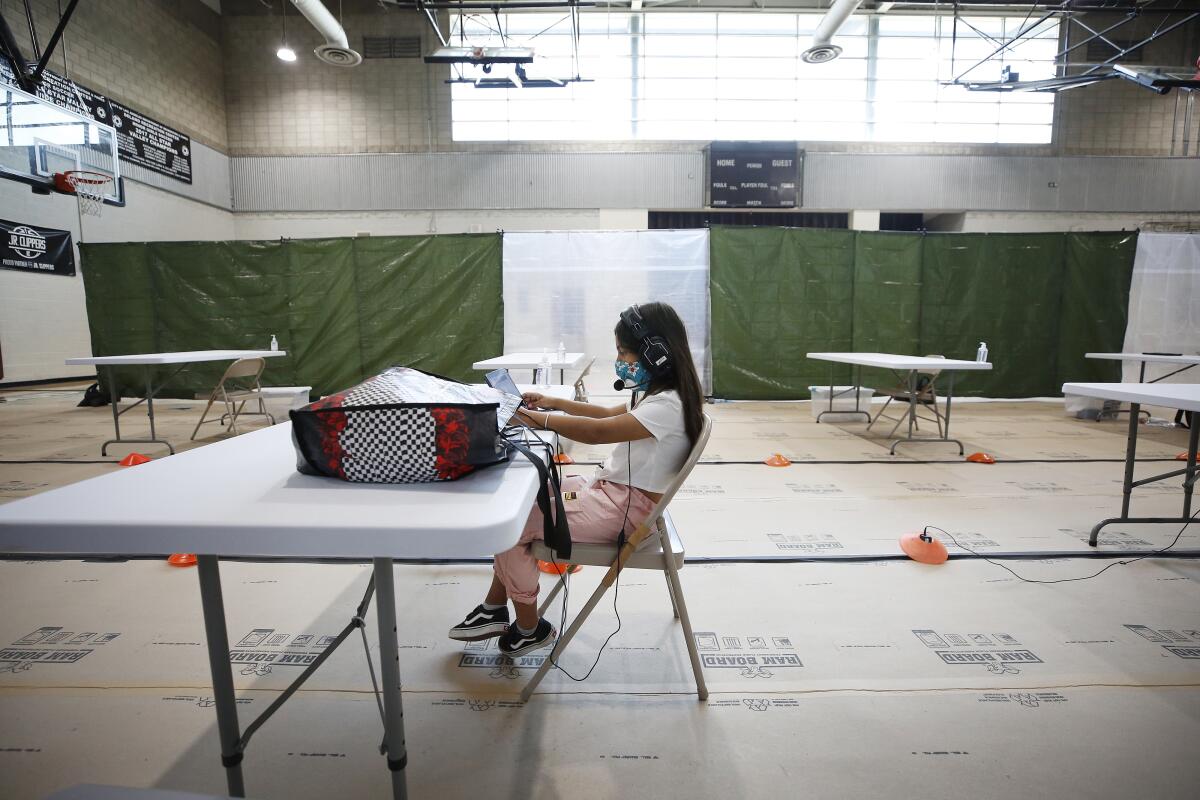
x,y
662,320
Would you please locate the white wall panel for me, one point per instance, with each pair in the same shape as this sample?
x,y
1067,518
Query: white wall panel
x,y
43,318
1000,183
468,181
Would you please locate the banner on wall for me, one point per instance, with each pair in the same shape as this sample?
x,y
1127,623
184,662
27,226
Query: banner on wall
x,y
32,249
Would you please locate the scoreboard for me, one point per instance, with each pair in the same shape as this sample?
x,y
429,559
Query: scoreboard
x,y
755,175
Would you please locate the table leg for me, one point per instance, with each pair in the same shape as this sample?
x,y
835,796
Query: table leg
x,y
831,366
1130,453
1189,479
116,412
114,396
150,404
912,401
389,668
949,399
222,673
857,387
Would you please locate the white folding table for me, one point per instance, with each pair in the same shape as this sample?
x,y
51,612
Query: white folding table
x,y
265,508
1183,396
912,365
148,361
532,361
1183,362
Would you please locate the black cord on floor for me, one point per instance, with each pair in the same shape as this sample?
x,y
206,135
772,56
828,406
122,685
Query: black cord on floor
x,y
54,461
1067,580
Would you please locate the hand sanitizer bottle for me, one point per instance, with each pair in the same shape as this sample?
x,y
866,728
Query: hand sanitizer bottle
x,y
543,370
274,342
562,353
982,353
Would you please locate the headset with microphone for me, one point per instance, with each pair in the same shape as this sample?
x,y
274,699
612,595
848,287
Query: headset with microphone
x,y
652,350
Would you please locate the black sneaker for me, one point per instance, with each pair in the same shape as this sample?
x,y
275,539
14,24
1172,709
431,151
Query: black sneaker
x,y
481,624
514,643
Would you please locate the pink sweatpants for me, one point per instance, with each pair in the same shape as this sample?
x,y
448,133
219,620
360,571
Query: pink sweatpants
x,y
595,517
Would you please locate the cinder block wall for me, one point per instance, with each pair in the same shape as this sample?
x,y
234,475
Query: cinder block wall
x,y
1117,117
160,57
280,108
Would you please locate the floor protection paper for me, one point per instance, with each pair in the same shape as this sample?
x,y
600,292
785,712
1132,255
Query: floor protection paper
x,y
1094,742
778,627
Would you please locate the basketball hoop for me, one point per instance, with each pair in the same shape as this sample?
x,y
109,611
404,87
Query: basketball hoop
x,y
88,187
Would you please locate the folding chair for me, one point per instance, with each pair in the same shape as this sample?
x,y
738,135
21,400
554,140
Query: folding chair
x,y
926,395
242,377
665,554
580,387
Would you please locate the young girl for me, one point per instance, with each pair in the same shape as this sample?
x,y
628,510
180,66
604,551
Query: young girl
x,y
653,440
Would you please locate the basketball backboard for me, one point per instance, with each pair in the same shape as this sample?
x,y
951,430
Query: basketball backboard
x,y
39,139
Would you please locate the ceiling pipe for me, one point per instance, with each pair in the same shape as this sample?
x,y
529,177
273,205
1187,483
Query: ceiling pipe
x,y
823,49
336,50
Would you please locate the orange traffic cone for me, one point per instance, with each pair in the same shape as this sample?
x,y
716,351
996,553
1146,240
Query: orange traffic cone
x,y
551,568
563,458
981,458
182,560
133,459
924,548
777,460
1183,456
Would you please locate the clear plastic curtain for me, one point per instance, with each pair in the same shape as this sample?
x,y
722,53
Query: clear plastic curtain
x,y
1164,302
571,286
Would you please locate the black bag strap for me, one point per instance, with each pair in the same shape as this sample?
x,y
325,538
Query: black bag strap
x,y
556,533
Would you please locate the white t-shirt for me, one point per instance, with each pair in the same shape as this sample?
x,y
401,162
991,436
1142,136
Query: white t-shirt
x,y
656,460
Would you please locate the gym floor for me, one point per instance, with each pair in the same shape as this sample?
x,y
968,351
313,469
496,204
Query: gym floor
x,y
836,667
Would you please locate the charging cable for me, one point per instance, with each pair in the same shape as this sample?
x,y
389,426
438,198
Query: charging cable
x,y
925,535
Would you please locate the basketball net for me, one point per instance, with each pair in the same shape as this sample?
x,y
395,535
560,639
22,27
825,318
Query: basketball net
x,y
89,190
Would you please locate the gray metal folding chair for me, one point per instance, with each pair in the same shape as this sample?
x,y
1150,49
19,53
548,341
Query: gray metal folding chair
x,y
666,554
580,386
238,386
925,395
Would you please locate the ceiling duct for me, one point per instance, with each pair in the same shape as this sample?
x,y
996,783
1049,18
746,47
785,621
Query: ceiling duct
x,y
336,50
823,49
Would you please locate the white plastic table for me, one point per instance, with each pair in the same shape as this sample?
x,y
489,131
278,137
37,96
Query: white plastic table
x,y
265,508
1184,362
148,361
1183,396
531,361
913,366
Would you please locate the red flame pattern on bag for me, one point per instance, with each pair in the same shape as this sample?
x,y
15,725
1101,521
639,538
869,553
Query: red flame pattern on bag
x,y
453,443
332,425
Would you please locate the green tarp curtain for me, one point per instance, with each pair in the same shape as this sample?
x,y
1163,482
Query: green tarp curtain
x,y
775,294
342,308
1040,301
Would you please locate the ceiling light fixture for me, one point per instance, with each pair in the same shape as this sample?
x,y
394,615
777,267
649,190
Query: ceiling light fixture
x,y
284,53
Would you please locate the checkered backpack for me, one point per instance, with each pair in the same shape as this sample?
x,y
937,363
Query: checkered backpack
x,y
408,426
400,426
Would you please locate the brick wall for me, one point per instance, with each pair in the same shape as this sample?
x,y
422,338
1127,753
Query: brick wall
x,y
307,106
160,57
1117,117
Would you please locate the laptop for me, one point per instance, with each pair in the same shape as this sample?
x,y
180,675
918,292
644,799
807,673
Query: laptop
x,y
500,380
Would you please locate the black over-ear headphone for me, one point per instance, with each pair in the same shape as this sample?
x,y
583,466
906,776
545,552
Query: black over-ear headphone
x,y
652,349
